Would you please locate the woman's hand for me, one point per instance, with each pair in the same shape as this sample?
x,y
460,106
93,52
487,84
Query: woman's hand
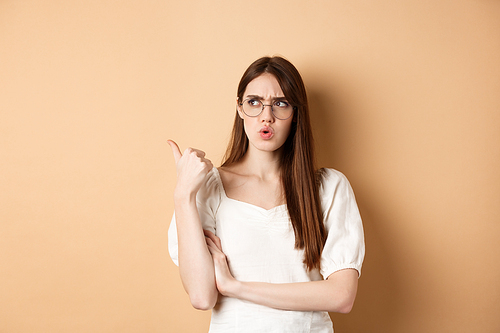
x,y
192,168
224,280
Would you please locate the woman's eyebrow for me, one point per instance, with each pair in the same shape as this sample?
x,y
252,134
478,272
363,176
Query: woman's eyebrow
x,y
261,98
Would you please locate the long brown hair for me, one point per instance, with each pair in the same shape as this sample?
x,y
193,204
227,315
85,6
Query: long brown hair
x,y
299,177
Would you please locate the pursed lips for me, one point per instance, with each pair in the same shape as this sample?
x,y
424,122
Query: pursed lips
x,y
266,132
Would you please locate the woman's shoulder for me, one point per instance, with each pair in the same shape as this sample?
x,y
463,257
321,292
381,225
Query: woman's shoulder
x,y
330,177
332,183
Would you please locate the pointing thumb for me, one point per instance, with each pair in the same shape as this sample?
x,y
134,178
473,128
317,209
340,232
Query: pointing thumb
x,y
175,150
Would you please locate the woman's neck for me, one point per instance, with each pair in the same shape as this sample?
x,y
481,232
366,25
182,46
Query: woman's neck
x,y
262,164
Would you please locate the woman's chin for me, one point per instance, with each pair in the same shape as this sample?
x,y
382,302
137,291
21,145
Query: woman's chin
x,y
268,146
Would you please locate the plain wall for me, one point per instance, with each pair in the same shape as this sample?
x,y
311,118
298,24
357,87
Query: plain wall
x,y
405,102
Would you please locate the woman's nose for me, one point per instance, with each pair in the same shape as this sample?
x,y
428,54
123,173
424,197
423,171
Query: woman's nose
x,y
267,114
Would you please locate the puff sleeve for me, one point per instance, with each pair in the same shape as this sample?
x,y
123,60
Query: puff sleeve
x,y
345,246
207,200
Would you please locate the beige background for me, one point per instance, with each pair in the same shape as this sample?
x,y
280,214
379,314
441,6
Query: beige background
x,y
405,96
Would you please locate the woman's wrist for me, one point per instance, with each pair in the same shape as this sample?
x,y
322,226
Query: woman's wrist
x,y
182,196
233,288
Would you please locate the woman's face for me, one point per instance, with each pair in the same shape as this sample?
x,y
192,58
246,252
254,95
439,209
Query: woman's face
x,y
265,132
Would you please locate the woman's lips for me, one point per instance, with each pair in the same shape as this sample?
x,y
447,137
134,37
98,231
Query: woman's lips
x,y
266,132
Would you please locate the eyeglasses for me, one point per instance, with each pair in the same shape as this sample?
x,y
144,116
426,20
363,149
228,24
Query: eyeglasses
x,y
281,109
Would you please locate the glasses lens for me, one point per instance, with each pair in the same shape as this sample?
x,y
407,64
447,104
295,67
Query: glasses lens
x,y
252,107
282,109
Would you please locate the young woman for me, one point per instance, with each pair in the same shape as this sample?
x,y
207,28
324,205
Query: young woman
x,y
267,241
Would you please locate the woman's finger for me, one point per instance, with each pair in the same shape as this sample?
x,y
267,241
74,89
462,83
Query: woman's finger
x,y
217,255
200,153
211,246
209,234
175,150
216,240
197,155
208,163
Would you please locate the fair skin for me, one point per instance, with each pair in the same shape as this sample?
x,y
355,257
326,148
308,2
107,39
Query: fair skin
x,y
254,179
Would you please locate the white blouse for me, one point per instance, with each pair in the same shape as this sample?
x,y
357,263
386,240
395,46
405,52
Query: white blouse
x,y
259,245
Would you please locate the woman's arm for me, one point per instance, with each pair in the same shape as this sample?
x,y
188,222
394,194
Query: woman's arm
x,y
195,261
335,294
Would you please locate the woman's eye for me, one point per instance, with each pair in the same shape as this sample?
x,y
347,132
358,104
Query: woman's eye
x,y
281,104
253,102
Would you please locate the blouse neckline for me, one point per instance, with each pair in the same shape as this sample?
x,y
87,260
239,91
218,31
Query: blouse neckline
x,y
223,192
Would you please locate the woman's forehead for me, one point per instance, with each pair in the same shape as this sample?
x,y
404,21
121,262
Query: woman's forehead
x,y
265,85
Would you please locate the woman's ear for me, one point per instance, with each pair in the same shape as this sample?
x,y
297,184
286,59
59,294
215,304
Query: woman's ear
x,y
238,108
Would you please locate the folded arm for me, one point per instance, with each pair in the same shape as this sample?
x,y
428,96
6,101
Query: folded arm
x,y
335,294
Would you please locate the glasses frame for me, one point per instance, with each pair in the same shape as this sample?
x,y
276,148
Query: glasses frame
x,y
294,108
